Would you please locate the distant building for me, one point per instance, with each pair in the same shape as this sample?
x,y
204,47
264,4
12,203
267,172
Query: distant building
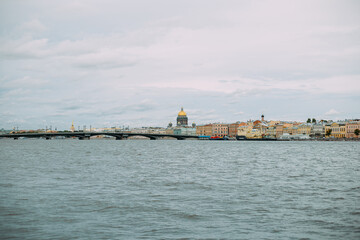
x,y
273,123
261,127
151,130
254,133
304,128
287,130
249,132
3,131
279,130
351,126
185,131
317,131
294,130
169,131
233,128
270,132
182,119
338,130
204,130
220,130
243,129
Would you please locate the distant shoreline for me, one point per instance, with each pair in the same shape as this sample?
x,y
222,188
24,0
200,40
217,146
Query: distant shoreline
x,y
193,139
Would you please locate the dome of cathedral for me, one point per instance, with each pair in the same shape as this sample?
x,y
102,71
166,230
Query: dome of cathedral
x,y
182,119
182,113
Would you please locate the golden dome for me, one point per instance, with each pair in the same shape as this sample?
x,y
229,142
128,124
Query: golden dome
x,y
182,113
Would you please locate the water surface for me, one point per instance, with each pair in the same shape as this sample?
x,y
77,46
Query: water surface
x,y
169,189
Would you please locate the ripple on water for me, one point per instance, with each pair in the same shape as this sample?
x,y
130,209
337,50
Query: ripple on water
x,y
179,189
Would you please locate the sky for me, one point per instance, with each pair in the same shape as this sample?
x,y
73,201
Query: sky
x,y
136,63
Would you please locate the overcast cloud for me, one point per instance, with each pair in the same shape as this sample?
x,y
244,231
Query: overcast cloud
x,y
107,63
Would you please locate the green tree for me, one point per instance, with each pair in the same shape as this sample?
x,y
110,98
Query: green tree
x,y
309,120
313,120
328,132
357,132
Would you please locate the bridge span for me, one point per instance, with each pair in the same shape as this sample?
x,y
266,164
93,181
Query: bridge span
x,y
87,135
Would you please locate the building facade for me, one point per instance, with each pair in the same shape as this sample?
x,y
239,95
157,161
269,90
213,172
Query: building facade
x,y
233,128
204,130
317,131
338,130
220,130
270,132
304,129
185,131
279,130
350,129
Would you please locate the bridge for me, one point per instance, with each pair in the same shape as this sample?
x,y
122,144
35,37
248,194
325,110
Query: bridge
x,y
87,135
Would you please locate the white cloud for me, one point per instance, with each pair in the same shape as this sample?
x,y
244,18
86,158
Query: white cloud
x,y
33,26
26,81
332,112
238,113
24,48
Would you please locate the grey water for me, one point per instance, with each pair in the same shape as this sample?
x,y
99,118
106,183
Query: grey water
x,y
169,189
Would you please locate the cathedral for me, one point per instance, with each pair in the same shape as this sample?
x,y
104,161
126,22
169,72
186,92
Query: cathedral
x,y
182,119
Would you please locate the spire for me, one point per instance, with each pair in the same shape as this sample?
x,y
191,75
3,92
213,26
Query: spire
x,y
72,127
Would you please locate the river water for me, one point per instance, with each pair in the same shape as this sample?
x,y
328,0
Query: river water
x,y
169,189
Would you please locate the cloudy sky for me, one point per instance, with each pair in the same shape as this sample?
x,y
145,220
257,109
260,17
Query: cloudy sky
x,y
114,63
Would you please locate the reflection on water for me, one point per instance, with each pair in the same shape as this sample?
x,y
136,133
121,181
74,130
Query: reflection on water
x,y
66,189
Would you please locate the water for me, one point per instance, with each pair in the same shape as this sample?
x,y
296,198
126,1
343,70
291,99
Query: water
x,y
136,189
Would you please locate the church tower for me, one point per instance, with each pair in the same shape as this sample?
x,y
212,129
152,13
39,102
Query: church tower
x,y
72,128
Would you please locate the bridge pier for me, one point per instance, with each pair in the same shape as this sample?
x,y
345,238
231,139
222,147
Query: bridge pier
x,y
121,137
84,138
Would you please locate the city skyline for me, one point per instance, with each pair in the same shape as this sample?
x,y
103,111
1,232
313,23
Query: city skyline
x,y
175,124
136,63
